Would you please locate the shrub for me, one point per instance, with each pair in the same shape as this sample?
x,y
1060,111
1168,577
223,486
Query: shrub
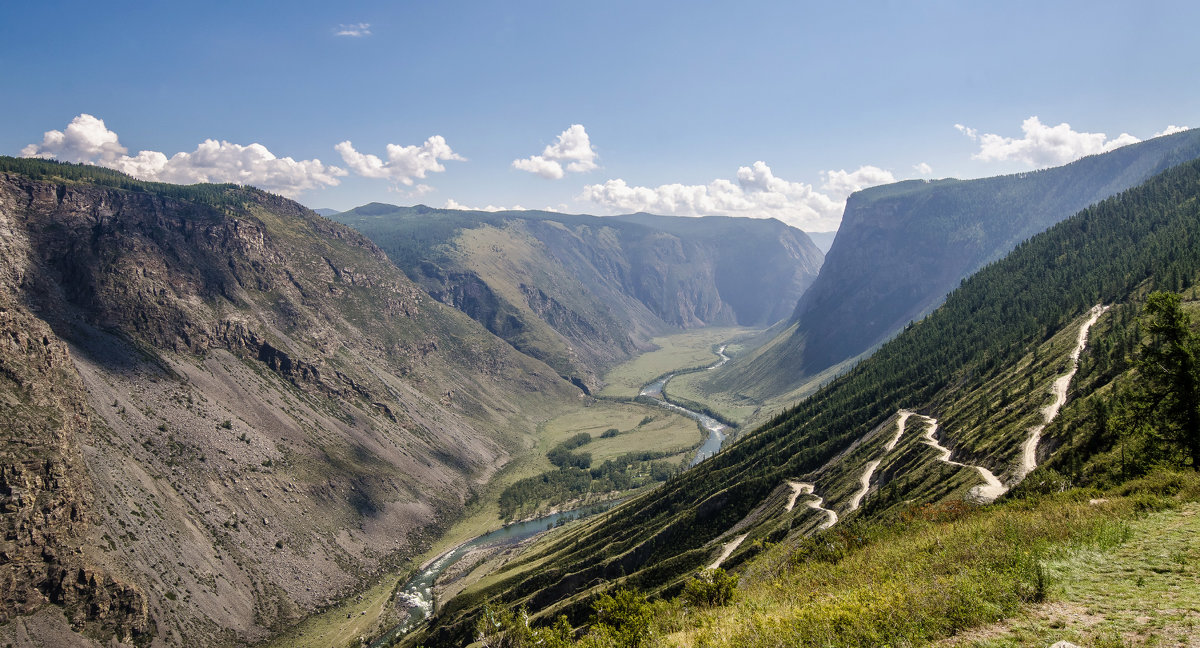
x,y
709,588
621,619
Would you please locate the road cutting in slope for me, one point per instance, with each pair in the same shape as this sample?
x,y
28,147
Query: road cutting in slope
x,y
1059,390
987,492
900,423
727,550
865,480
801,488
992,486
864,484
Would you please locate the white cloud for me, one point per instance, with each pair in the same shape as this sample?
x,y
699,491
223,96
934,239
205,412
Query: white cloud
x,y
404,163
1043,146
572,148
758,193
548,169
454,204
87,139
353,30
840,184
1170,130
923,169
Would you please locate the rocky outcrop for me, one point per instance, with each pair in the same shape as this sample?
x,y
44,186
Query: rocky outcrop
x,y
44,498
903,247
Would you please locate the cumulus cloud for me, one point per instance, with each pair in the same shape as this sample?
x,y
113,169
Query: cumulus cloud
x,y
353,30
404,164
923,169
1042,145
86,139
840,184
454,204
757,193
1170,130
571,152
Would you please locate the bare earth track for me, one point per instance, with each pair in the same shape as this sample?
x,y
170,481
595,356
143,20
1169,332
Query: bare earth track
x,y
992,487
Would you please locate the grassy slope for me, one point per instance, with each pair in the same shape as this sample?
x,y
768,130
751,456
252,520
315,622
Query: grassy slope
x,y
1107,568
1011,403
1145,591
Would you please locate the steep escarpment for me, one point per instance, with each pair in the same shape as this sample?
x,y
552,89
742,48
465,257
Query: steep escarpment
x,y
901,248
583,293
250,411
758,265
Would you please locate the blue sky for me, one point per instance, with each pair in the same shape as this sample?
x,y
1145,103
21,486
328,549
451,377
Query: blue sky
x,y
674,102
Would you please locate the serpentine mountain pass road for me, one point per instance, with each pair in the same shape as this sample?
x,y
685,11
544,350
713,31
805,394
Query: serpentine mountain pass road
x,y
801,488
992,486
1059,389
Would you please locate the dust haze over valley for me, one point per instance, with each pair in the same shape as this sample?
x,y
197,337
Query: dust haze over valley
x,y
614,325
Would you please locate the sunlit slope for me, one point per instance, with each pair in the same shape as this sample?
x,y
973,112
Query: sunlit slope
x,y
256,409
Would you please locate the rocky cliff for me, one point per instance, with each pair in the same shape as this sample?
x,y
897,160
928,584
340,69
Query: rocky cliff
x,y
44,497
227,411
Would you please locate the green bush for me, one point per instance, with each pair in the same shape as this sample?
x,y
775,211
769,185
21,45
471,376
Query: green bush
x,y
709,588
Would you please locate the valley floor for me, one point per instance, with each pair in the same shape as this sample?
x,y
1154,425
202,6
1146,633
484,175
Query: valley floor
x,y
642,428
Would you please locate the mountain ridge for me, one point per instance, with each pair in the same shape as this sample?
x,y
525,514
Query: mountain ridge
x,y
902,247
260,410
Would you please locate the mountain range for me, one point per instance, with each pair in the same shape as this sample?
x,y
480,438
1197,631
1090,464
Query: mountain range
x,y
584,293
225,412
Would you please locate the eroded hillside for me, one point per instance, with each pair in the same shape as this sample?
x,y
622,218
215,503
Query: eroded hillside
x,y
226,411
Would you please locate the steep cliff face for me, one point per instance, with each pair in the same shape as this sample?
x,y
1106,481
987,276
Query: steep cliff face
x,y
250,411
901,248
622,279
756,267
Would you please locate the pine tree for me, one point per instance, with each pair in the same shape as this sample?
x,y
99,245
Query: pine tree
x,y
1168,367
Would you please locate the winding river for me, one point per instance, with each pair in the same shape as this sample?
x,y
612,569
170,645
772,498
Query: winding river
x,y
716,429
418,591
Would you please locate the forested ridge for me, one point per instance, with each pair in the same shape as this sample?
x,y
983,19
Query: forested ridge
x,y
902,247
212,194
1145,238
